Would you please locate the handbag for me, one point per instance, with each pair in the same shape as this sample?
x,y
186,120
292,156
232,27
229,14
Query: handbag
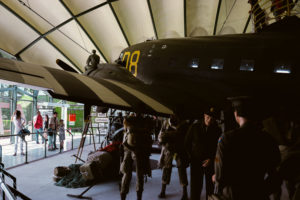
x,y
50,132
45,134
24,131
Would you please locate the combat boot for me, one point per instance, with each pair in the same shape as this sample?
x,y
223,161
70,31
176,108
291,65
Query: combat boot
x,y
139,195
123,196
163,191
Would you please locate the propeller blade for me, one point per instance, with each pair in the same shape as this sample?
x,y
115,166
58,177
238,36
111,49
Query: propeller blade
x,y
65,66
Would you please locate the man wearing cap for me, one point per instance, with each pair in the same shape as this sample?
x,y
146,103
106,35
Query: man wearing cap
x,y
201,143
245,155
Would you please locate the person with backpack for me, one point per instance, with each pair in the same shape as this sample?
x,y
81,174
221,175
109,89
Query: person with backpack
x,y
137,146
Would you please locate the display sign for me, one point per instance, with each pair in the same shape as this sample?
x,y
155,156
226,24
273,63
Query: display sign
x,y
101,114
94,125
72,117
101,120
93,114
71,123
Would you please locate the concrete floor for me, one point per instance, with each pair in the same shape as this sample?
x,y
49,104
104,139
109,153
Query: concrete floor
x,y
35,181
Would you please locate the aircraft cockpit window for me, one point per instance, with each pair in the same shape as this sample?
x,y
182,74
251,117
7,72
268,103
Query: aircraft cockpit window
x,y
121,56
217,64
282,69
247,65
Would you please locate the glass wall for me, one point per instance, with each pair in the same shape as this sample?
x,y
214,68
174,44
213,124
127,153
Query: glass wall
x,y
4,54
5,109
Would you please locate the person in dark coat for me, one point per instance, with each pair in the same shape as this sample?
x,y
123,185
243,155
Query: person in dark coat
x,y
245,156
201,143
289,169
137,145
172,134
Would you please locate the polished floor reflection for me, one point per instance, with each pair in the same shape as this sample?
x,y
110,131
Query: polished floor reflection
x,y
37,151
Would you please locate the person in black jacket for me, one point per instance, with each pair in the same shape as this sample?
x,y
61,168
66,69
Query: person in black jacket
x,y
201,144
245,156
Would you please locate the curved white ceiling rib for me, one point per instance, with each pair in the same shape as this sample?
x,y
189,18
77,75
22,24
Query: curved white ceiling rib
x,y
102,26
99,29
36,54
135,19
233,16
78,54
169,18
201,16
79,6
11,40
76,34
39,24
70,38
35,20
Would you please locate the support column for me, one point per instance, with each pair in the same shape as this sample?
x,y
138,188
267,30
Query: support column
x,y
64,112
13,107
34,110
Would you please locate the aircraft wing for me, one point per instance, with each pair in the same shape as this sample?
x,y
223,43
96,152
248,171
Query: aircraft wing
x,y
80,88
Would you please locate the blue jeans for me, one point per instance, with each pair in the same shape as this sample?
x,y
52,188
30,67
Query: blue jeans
x,y
54,138
50,142
37,133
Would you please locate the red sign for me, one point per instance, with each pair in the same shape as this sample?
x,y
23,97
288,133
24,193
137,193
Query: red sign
x,y
72,117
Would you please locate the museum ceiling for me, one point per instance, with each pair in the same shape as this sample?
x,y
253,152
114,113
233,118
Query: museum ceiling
x,y
41,31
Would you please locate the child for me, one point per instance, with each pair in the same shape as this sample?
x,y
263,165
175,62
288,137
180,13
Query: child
x,y
61,129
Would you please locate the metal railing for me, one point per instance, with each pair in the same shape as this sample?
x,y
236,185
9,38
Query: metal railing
x,y
266,11
45,144
8,191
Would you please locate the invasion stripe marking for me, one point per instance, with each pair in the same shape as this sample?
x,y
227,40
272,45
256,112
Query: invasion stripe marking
x,y
53,82
146,99
42,71
106,95
129,98
10,72
31,80
76,90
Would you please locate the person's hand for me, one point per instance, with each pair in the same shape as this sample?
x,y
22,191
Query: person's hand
x,y
205,163
213,178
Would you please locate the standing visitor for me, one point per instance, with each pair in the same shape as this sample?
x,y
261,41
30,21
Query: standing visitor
x,y
38,126
46,126
54,127
18,123
62,136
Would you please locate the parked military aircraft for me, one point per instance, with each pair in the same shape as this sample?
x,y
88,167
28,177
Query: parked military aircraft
x,y
186,74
